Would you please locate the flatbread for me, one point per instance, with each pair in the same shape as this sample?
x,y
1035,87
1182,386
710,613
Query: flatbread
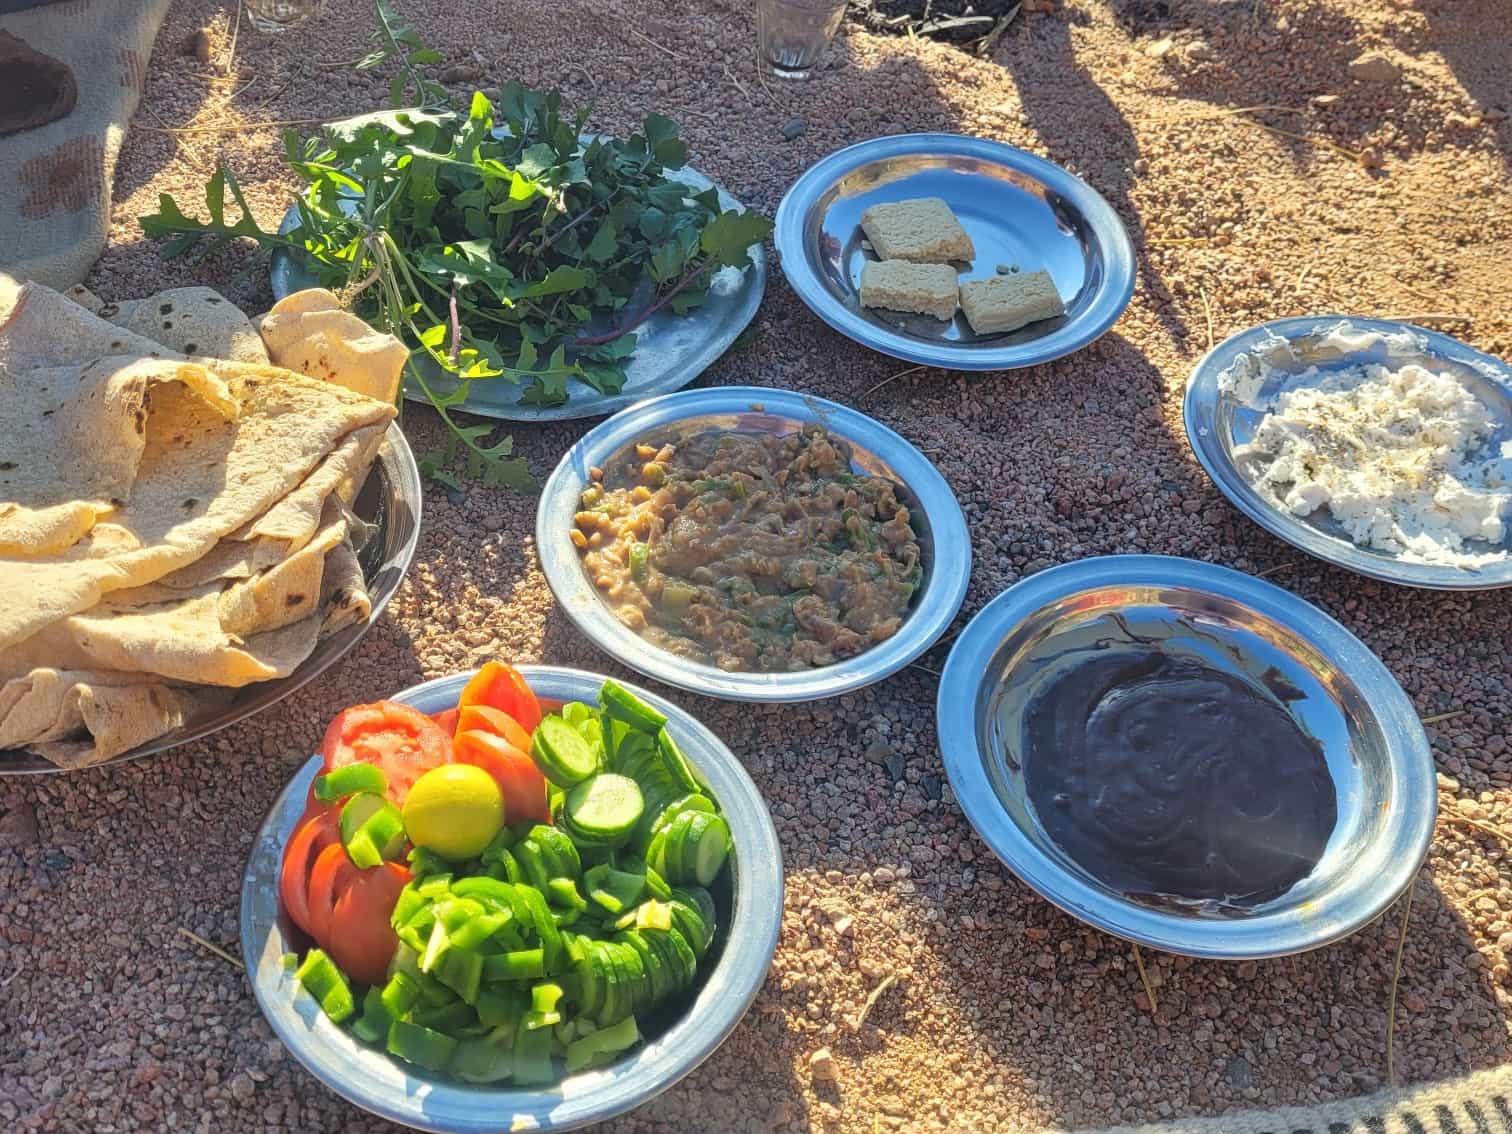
x,y
344,595
218,634
308,331
294,519
199,477
47,709
43,327
194,321
77,433
30,532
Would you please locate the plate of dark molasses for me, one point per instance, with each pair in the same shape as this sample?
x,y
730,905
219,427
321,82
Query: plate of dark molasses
x,y
1186,756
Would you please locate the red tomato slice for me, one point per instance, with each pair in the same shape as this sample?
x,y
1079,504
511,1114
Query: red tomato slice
x,y
399,739
486,718
313,834
502,687
332,873
361,941
447,719
520,781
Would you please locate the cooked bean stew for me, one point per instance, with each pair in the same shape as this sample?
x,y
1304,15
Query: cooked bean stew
x,y
749,551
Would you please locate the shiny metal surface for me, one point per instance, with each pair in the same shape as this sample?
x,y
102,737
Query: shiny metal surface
x,y
390,500
877,450
750,913
1377,754
1018,210
1217,423
670,350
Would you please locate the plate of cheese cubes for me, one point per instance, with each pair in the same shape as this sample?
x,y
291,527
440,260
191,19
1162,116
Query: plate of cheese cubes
x,y
955,252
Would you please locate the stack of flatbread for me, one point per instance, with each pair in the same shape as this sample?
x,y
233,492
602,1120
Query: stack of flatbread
x,y
174,508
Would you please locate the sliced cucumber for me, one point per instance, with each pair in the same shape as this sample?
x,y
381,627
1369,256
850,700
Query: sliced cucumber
x,y
713,847
561,753
676,763
606,806
656,970
689,921
623,705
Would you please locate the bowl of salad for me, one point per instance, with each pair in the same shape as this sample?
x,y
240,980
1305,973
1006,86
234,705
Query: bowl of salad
x,y
511,899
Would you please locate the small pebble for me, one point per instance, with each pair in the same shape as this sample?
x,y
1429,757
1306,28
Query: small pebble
x,y
822,1066
793,129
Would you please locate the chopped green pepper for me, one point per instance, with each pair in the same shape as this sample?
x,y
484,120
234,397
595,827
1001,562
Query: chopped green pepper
x,y
532,1053
420,1045
327,984
599,1046
400,994
614,890
521,964
373,1024
638,555
349,780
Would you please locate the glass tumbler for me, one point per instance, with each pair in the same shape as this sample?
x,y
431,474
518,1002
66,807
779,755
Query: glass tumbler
x,y
280,15
792,34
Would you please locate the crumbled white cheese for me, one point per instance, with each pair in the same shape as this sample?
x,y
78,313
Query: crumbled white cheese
x,y
1396,454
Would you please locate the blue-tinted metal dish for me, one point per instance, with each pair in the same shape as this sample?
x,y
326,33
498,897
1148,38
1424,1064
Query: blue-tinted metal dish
x,y
390,501
876,451
670,350
749,904
1019,210
1338,691
1219,421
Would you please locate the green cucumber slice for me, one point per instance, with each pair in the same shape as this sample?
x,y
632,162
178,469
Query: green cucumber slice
x,y
656,969
623,705
561,753
676,763
607,806
713,847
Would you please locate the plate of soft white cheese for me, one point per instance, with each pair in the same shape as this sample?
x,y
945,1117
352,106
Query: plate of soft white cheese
x,y
955,252
1378,446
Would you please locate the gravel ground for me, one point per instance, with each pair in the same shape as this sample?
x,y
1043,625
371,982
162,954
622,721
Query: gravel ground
x,y
1004,1013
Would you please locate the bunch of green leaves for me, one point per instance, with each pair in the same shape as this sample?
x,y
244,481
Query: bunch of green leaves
x,y
501,244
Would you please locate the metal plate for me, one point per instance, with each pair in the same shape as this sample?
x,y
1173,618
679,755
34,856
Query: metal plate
x,y
750,915
670,350
1018,210
1377,754
390,500
877,451
1217,422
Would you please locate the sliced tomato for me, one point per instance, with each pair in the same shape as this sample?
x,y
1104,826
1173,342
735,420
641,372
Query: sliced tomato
x,y
504,688
332,873
361,940
486,718
313,834
520,781
447,719
399,739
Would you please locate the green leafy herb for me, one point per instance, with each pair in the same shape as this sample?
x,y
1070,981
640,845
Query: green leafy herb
x,y
497,241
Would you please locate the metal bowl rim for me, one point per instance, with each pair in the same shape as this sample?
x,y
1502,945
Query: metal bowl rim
x,y
400,465
1202,394
1409,823
445,1107
937,605
1111,300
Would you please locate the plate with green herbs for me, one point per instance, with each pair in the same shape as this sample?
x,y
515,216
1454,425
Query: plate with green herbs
x,y
538,272
626,259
